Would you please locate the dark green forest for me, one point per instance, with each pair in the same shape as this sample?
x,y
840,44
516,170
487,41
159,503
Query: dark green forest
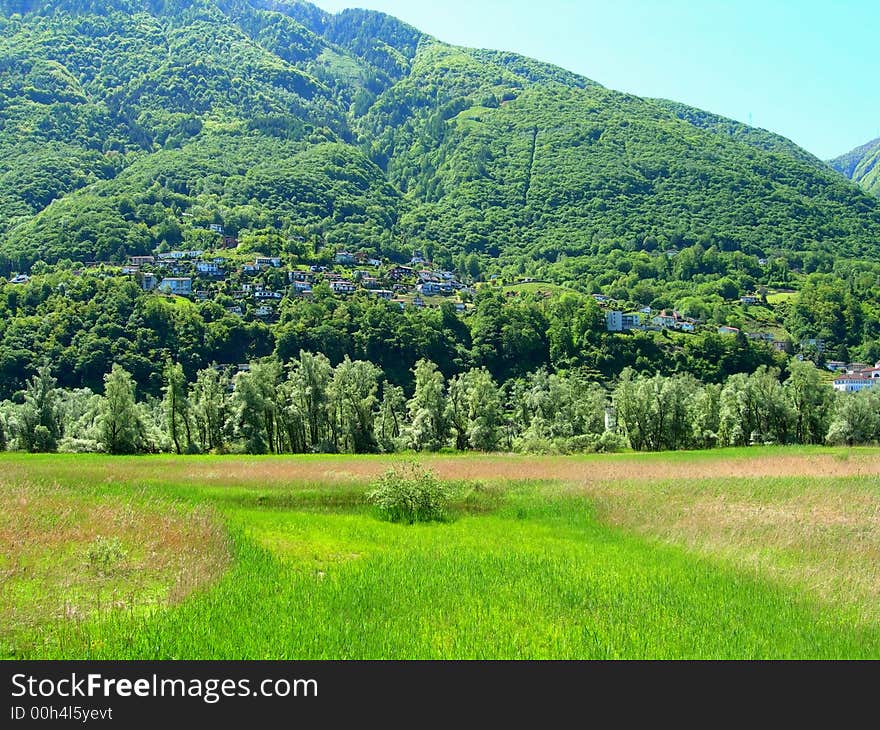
x,y
83,323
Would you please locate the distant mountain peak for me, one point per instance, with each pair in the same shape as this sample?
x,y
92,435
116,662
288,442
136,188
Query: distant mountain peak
x,y
862,166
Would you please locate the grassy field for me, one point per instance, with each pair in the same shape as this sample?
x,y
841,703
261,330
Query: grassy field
x,y
541,287
782,296
760,553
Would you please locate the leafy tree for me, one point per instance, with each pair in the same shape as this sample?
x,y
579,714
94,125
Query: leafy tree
x,y
705,415
811,400
474,411
457,410
352,392
310,377
177,408
429,426
631,409
255,407
485,412
120,424
208,399
390,421
656,413
756,409
39,422
855,421
575,322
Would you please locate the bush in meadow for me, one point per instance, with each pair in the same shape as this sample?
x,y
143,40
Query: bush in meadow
x,y
409,493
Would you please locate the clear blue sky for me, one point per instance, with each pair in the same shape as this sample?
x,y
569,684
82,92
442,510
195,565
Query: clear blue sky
x,y
807,69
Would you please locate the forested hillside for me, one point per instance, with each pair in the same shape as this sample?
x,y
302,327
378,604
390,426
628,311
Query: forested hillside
x,y
121,122
862,166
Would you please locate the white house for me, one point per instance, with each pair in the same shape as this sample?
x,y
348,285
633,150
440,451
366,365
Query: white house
x,y
343,287
266,295
179,255
664,320
209,268
265,262
614,321
857,380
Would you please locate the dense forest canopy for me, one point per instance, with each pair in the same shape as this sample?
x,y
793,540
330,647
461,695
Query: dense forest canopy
x,y
117,117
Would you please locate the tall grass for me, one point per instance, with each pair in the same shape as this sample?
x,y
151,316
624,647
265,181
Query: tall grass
x,y
536,580
525,569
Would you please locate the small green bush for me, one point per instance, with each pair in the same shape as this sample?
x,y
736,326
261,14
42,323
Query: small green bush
x,y
409,493
105,554
610,443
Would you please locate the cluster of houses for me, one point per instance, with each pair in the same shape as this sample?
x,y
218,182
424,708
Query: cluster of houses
x,y
853,377
200,275
645,319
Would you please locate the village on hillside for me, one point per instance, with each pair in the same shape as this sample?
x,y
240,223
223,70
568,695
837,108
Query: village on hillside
x,y
261,283
253,286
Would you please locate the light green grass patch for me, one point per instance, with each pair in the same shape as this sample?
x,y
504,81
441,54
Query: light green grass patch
x,y
527,584
781,297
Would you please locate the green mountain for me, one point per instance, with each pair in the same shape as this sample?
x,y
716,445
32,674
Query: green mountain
x,y
862,165
132,124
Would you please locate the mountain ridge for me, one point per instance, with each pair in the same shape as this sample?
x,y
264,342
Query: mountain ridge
x,y
862,166
402,141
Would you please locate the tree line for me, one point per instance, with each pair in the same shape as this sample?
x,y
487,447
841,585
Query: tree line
x,y
309,406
